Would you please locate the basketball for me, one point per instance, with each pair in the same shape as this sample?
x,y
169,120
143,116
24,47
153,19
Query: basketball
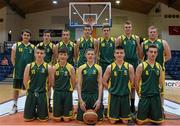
x,y
90,117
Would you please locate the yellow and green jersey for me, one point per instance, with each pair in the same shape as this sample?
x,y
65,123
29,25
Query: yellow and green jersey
x,y
130,45
83,46
70,49
149,85
106,50
63,77
119,83
89,78
24,54
48,51
38,77
160,56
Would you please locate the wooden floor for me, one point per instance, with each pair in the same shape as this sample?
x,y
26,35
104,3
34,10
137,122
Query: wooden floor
x,y
17,119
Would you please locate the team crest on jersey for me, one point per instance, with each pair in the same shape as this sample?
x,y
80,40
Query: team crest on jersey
x,y
133,42
20,50
90,45
147,73
125,72
115,73
157,45
32,71
47,50
57,73
70,48
94,71
84,72
124,42
43,70
110,45
30,51
157,72
146,46
65,73
102,44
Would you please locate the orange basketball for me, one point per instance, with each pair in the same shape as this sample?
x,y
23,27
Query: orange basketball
x,y
90,117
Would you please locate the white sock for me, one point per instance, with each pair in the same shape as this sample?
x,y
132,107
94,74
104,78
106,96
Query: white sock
x,y
15,102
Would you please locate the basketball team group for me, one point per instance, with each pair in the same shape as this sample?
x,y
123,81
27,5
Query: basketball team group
x,y
121,65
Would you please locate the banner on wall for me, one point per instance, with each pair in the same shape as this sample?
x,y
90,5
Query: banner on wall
x,y
172,83
174,30
54,32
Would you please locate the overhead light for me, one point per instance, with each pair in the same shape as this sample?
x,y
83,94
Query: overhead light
x,y
106,19
74,13
10,32
55,2
118,2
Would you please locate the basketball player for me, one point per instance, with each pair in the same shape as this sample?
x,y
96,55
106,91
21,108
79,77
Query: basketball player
x,y
119,79
49,54
148,84
164,52
36,75
63,87
106,47
22,53
85,42
90,86
132,48
68,44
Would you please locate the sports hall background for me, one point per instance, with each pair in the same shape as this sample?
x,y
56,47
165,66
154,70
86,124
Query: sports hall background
x,y
37,15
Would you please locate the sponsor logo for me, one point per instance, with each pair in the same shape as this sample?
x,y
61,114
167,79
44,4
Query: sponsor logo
x,y
173,84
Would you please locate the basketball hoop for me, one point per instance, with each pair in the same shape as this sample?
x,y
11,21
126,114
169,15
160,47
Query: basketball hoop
x,y
90,20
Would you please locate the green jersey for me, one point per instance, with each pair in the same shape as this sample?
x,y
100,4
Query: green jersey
x,y
38,77
119,83
62,77
70,49
48,51
160,56
150,79
24,54
89,78
106,50
83,46
129,45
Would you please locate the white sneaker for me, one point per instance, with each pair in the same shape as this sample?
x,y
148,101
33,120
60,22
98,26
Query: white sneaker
x,y
14,110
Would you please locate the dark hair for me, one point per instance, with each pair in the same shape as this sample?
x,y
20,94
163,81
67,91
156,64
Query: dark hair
x,y
26,30
128,22
63,50
46,31
87,26
40,48
66,30
105,26
89,49
151,46
119,47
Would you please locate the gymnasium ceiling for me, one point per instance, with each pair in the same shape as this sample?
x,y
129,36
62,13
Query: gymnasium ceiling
x,y
23,7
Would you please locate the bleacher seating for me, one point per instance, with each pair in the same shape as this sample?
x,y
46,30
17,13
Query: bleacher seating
x,y
173,65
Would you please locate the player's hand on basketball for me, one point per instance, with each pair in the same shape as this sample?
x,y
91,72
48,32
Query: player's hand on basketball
x,y
97,105
82,105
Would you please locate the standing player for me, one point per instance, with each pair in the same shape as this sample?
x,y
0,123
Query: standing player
x,y
36,75
106,47
90,86
148,84
120,75
63,87
22,53
69,45
164,52
132,48
49,54
84,43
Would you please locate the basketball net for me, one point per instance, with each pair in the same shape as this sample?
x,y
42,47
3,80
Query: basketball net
x,y
90,20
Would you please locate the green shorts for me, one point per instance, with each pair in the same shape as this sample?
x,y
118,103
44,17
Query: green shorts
x,y
62,104
90,100
18,84
150,109
119,107
36,106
